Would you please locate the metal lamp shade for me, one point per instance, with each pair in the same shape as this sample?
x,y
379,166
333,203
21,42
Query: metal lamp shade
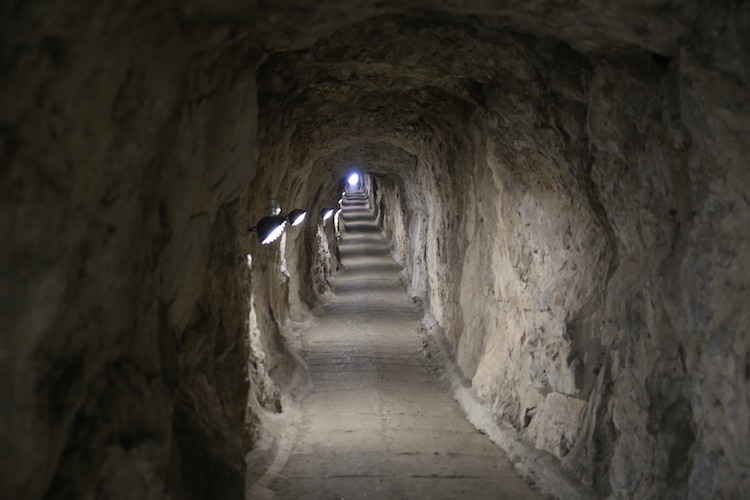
x,y
270,228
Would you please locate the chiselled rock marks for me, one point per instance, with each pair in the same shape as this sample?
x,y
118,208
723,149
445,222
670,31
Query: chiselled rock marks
x,y
377,424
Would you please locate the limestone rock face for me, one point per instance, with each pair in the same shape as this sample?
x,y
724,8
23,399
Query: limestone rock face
x,y
553,426
125,297
550,206
565,184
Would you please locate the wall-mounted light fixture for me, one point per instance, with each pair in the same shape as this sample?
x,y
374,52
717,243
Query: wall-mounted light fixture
x,y
296,216
269,228
274,207
326,213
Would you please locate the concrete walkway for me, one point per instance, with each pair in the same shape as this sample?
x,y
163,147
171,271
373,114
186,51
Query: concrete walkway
x,y
377,423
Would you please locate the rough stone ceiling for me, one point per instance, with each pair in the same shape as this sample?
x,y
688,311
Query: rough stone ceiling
x,y
347,64
589,25
391,72
403,81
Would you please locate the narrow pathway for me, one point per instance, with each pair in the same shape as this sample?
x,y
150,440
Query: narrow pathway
x,y
377,424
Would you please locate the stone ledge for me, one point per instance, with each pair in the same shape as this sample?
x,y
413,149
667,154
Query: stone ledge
x,y
536,465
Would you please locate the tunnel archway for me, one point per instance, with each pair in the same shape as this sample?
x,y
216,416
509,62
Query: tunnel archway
x,y
564,185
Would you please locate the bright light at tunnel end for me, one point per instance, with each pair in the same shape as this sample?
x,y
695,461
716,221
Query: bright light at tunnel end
x,y
353,179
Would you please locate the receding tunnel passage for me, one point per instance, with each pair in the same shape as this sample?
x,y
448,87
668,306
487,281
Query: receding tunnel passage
x,y
377,424
545,269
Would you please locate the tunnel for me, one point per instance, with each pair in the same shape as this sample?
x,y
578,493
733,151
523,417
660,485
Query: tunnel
x,y
558,189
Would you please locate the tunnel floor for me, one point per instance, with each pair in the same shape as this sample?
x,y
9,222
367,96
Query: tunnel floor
x,y
378,424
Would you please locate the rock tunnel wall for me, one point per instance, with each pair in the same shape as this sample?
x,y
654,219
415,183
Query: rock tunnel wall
x,y
128,355
562,217
567,190
575,270
573,301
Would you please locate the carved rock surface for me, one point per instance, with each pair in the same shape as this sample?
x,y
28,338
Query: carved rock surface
x,y
554,424
565,183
